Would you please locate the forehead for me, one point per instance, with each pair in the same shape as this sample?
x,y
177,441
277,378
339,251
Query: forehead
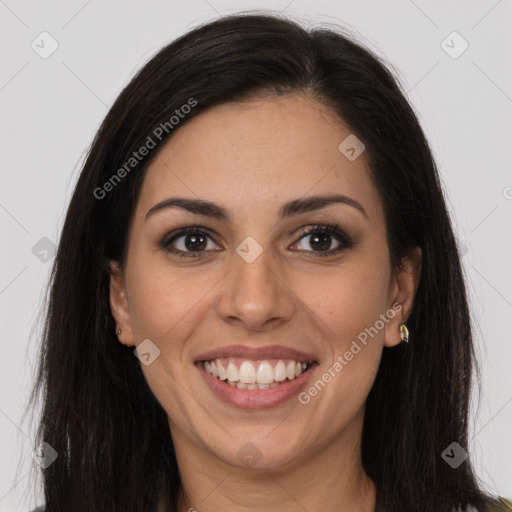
x,y
253,154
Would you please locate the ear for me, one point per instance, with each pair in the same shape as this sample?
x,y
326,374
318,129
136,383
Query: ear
x,y
402,291
119,304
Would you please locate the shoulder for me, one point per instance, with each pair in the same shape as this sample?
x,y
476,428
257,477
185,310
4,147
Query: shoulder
x,y
506,503
501,505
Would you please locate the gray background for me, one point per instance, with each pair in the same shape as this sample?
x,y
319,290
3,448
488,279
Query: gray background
x,y
51,108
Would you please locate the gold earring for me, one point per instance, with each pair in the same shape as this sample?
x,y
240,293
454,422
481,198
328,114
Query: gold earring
x,y
404,333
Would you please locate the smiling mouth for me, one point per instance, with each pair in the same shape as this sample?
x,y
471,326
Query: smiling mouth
x,y
255,374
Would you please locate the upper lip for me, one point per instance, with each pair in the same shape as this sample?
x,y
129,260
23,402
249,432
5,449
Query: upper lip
x,y
256,353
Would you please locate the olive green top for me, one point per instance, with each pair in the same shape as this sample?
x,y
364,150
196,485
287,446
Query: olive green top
x,y
507,503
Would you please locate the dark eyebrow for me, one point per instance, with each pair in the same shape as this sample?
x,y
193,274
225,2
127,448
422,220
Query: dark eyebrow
x,y
295,207
311,203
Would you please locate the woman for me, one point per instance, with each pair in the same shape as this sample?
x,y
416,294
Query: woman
x,y
257,301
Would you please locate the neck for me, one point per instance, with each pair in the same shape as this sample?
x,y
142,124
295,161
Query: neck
x,y
331,477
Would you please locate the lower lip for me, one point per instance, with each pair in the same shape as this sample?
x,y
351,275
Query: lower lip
x,y
256,398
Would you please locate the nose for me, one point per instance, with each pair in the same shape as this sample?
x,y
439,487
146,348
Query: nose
x,y
255,294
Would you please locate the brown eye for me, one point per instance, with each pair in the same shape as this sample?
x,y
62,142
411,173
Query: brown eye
x,y
321,239
189,242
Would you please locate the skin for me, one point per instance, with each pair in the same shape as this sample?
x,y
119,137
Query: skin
x,y
251,158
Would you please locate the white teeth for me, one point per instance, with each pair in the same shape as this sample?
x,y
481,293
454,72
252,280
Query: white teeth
x,y
221,370
290,370
265,373
280,372
255,375
232,372
247,373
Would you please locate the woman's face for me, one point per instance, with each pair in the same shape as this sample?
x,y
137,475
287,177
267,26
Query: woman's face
x,y
250,289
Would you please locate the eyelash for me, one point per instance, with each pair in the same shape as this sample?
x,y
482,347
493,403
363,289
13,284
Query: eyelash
x,y
328,229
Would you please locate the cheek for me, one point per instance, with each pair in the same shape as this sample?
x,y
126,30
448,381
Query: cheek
x,y
347,306
346,301
167,304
